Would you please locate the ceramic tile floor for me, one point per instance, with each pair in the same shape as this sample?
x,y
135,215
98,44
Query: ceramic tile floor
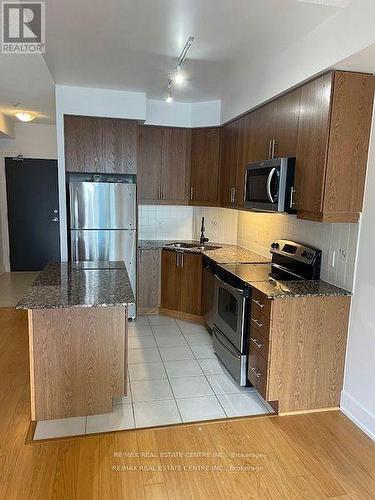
x,y
174,377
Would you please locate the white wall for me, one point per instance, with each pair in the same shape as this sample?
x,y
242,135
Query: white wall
x,y
32,140
358,396
250,83
183,114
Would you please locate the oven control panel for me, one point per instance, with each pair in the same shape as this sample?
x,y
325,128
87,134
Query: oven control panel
x,y
295,251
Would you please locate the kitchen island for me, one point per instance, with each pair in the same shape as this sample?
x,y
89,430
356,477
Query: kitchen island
x,y
77,315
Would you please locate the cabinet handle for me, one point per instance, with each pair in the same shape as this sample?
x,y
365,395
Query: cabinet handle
x,y
292,193
177,259
259,304
232,194
182,260
257,374
191,193
140,255
269,149
273,148
258,323
255,341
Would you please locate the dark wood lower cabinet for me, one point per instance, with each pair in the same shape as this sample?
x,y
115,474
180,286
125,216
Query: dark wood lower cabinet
x,y
181,282
148,290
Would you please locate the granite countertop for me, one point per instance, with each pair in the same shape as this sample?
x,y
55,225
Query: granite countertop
x,y
79,284
294,289
226,254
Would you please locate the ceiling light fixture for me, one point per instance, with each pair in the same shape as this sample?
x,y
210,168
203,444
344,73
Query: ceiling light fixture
x,y
177,76
23,116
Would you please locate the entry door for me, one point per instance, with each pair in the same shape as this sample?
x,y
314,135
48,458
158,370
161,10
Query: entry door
x,y
33,217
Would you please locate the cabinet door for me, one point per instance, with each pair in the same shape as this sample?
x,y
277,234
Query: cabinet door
x,y
170,280
246,152
175,164
125,145
191,284
149,163
288,109
83,144
204,177
312,143
228,163
264,130
149,276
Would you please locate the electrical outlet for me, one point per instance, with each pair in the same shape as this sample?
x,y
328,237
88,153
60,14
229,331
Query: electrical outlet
x,y
342,254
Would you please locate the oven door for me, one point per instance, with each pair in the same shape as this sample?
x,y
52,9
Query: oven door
x,y
229,316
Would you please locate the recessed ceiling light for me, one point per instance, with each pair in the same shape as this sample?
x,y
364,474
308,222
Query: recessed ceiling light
x,y
24,117
178,77
169,98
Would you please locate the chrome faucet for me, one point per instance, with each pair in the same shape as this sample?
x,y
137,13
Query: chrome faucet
x,y
203,240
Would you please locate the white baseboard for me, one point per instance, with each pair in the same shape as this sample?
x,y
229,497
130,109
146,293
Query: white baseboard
x,y
358,414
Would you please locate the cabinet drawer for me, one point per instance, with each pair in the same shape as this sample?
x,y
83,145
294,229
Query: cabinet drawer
x,y
260,304
257,373
260,323
258,344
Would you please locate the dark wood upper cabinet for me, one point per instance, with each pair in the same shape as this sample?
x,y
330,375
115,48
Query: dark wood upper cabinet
x,y
149,163
163,165
333,138
83,144
175,160
125,146
287,121
204,172
312,145
246,152
265,119
100,145
228,163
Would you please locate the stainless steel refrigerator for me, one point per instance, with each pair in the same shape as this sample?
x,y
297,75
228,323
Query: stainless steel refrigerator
x,y
103,224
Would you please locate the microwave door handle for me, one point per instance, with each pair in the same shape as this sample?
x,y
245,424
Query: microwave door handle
x,y
269,180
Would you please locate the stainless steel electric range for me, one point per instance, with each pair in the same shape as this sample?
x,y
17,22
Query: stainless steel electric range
x,y
291,261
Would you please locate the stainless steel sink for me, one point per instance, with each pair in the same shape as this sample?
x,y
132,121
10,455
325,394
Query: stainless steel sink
x,y
190,246
182,245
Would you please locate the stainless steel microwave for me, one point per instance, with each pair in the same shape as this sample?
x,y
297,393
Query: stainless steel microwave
x,y
269,185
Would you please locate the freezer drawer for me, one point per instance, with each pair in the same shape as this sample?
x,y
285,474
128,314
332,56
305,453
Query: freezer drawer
x,y
102,205
106,245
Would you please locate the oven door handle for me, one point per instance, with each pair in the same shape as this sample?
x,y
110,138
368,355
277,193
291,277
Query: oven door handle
x,y
238,290
269,180
287,271
235,355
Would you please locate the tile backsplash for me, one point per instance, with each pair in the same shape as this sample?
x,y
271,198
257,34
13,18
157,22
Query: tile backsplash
x,y
256,231
338,242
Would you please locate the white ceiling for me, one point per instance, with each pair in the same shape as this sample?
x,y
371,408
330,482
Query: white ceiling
x,y
132,45
25,79
363,61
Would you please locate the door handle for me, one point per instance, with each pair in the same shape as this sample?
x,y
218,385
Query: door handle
x,y
55,219
292,193
191,193
269,180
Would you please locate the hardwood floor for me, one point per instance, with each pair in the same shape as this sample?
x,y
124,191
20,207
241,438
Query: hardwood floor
x,y
312,456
